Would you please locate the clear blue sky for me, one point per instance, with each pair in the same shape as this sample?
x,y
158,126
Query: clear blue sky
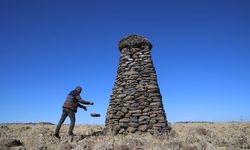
x,y
201,52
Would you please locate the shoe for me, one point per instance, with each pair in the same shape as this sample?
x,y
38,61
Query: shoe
x,y
57,135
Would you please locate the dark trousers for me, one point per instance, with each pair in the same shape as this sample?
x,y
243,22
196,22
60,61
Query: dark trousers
x,y
66,112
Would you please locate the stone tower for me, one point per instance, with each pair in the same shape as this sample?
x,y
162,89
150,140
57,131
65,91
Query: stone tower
x,y
136,103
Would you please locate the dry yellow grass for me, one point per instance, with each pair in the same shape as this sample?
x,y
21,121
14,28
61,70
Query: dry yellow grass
x,y
183,136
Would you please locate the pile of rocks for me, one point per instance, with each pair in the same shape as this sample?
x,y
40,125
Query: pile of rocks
x,y
136,103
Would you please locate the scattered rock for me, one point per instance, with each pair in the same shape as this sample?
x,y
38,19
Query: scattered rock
x,y
11,144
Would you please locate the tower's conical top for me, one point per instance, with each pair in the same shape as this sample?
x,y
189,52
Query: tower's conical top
x,y
134,41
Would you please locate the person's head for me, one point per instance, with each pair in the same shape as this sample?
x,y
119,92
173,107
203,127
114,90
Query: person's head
x,y
78,89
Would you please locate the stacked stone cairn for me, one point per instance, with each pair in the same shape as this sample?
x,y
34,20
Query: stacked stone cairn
x,y
136,103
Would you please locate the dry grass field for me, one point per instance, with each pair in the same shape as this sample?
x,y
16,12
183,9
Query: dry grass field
x,y
183,136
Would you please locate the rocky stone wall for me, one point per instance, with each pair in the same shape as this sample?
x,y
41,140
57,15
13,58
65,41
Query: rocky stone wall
x,y
136,103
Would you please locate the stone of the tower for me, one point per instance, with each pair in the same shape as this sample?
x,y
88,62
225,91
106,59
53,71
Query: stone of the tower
x,y
136,102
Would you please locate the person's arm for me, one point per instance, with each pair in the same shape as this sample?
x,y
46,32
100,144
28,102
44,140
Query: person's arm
x,y
86,102
81,106
78,97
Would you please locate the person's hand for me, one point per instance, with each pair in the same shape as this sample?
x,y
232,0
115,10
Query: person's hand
x,y
84,107
91,103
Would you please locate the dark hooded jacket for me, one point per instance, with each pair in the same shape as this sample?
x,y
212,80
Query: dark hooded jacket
x,y
73,101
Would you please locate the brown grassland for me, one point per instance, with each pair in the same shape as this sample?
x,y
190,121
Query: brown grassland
x,y
182,136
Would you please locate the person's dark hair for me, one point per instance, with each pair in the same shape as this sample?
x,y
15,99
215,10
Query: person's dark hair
x,y
78,87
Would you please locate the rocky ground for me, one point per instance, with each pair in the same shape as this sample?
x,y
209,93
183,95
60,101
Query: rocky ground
x,y
183,136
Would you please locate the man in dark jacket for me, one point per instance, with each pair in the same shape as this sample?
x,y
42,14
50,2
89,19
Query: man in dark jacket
x,y
70,105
